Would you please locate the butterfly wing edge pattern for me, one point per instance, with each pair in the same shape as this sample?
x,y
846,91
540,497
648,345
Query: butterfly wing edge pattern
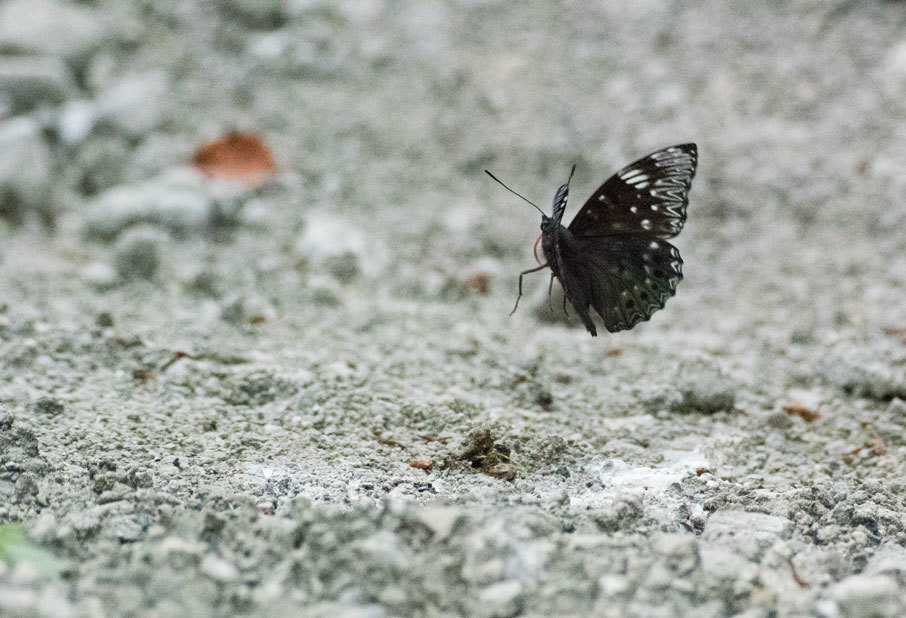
x,y
649,195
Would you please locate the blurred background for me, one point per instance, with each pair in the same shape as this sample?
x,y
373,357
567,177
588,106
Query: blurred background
x,y
248,253
381,116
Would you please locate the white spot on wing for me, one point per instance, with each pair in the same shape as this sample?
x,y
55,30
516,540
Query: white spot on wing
x,y
629,175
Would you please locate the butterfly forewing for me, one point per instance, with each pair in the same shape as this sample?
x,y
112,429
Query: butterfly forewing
x,y
647,197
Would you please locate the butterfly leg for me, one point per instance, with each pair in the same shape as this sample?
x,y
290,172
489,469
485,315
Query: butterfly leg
x,y
550,287
523,273
565,312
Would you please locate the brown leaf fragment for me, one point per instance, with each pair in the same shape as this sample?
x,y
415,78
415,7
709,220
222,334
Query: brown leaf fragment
x,y
422,462
389,442
485,453
480,283
894,331
796,578
794,408
143,375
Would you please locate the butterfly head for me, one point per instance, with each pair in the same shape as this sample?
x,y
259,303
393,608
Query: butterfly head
x,y
548,224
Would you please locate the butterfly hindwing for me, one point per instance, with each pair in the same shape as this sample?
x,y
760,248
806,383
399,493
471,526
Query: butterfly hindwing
x,y
646,197
624,278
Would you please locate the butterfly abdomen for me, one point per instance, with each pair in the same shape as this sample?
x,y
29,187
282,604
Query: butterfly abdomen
x,y
553,238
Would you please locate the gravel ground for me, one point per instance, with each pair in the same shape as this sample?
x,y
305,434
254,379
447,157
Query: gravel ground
x,y
308,398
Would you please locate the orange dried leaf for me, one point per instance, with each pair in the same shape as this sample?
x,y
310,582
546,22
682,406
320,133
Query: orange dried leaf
x,y
237,156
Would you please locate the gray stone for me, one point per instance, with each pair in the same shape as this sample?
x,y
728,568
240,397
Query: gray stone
x,y
723,522
30,81
239,308
138,253
890,560
133,104
748,532
330,242
76,121
868,375
219,569
723,564
49,406
174,201
100,163
440,519
156,154
25,167
325,290
99,274
867,596
893,70
259,13
704,388
385,549
500,599
62,29
177,553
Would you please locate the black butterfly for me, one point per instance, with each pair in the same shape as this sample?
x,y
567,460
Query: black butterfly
x,y
614,257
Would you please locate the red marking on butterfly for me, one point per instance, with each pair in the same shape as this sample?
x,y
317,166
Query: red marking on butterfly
x,y
535,249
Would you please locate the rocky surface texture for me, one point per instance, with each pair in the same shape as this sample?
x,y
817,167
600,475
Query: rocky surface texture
x,y
307,397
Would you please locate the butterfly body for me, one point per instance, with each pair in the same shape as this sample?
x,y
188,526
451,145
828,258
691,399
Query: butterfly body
x,y
551,233
614,257
560,248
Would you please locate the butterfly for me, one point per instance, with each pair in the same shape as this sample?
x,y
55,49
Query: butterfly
x,y
614,257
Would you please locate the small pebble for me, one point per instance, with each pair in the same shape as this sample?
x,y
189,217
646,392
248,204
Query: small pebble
x,y
133,104
64,29
48,406
99,274
138,253
28,82
25,167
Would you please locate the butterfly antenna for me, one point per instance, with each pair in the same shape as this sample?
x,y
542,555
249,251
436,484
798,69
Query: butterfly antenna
x,y
573,171
514,193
